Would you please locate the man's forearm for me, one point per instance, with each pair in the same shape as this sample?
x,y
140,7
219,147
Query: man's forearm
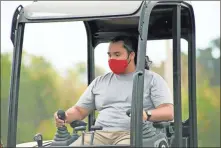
x,y
164,113
72,114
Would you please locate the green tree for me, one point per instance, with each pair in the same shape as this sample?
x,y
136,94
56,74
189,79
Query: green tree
x,y
42,92
37,96
5,84
208,93
211,65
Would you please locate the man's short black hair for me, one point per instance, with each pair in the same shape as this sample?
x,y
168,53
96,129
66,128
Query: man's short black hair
x,y
131,45
130,42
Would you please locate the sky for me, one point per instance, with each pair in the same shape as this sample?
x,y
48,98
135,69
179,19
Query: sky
x,y
58,42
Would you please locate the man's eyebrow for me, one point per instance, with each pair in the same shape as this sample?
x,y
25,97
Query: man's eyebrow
x,y
113,52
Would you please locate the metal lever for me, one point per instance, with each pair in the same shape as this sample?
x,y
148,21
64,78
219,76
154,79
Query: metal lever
x,y
81,128
94,128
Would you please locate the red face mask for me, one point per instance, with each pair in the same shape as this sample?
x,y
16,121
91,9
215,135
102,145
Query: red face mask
x,y
118,66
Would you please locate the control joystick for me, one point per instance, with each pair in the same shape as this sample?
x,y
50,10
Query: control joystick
x,y
62,136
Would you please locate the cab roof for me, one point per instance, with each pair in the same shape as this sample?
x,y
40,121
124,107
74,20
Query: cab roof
x,y
67,9
107,19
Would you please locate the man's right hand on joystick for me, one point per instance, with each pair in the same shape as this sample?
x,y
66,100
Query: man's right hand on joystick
x,y
60,121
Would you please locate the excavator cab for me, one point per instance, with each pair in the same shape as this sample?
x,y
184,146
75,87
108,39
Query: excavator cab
x,y
145,20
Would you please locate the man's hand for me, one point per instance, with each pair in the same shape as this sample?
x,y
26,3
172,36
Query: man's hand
x,y
163,112
144,116
73,113
58,121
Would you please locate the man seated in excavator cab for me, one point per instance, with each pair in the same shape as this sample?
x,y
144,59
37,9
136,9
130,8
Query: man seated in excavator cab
x,y
111,95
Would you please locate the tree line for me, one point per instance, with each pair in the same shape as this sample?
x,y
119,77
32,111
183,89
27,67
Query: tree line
x,y
43,91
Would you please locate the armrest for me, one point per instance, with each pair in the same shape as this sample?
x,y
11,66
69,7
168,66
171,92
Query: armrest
x,y
80,128
77,123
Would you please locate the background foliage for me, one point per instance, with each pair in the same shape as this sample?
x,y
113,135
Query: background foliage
x,y
43,91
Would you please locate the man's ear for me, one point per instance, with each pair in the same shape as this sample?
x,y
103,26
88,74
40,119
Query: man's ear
x,y
132,55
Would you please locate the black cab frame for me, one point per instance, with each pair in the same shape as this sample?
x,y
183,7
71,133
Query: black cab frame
x,y
146,20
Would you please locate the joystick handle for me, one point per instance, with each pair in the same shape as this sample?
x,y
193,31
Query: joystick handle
x,y
62,136
61,114
39,139
128,112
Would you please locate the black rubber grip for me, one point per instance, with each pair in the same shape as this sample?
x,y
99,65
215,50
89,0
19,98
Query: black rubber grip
x,y
94,128
128,112
61,114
